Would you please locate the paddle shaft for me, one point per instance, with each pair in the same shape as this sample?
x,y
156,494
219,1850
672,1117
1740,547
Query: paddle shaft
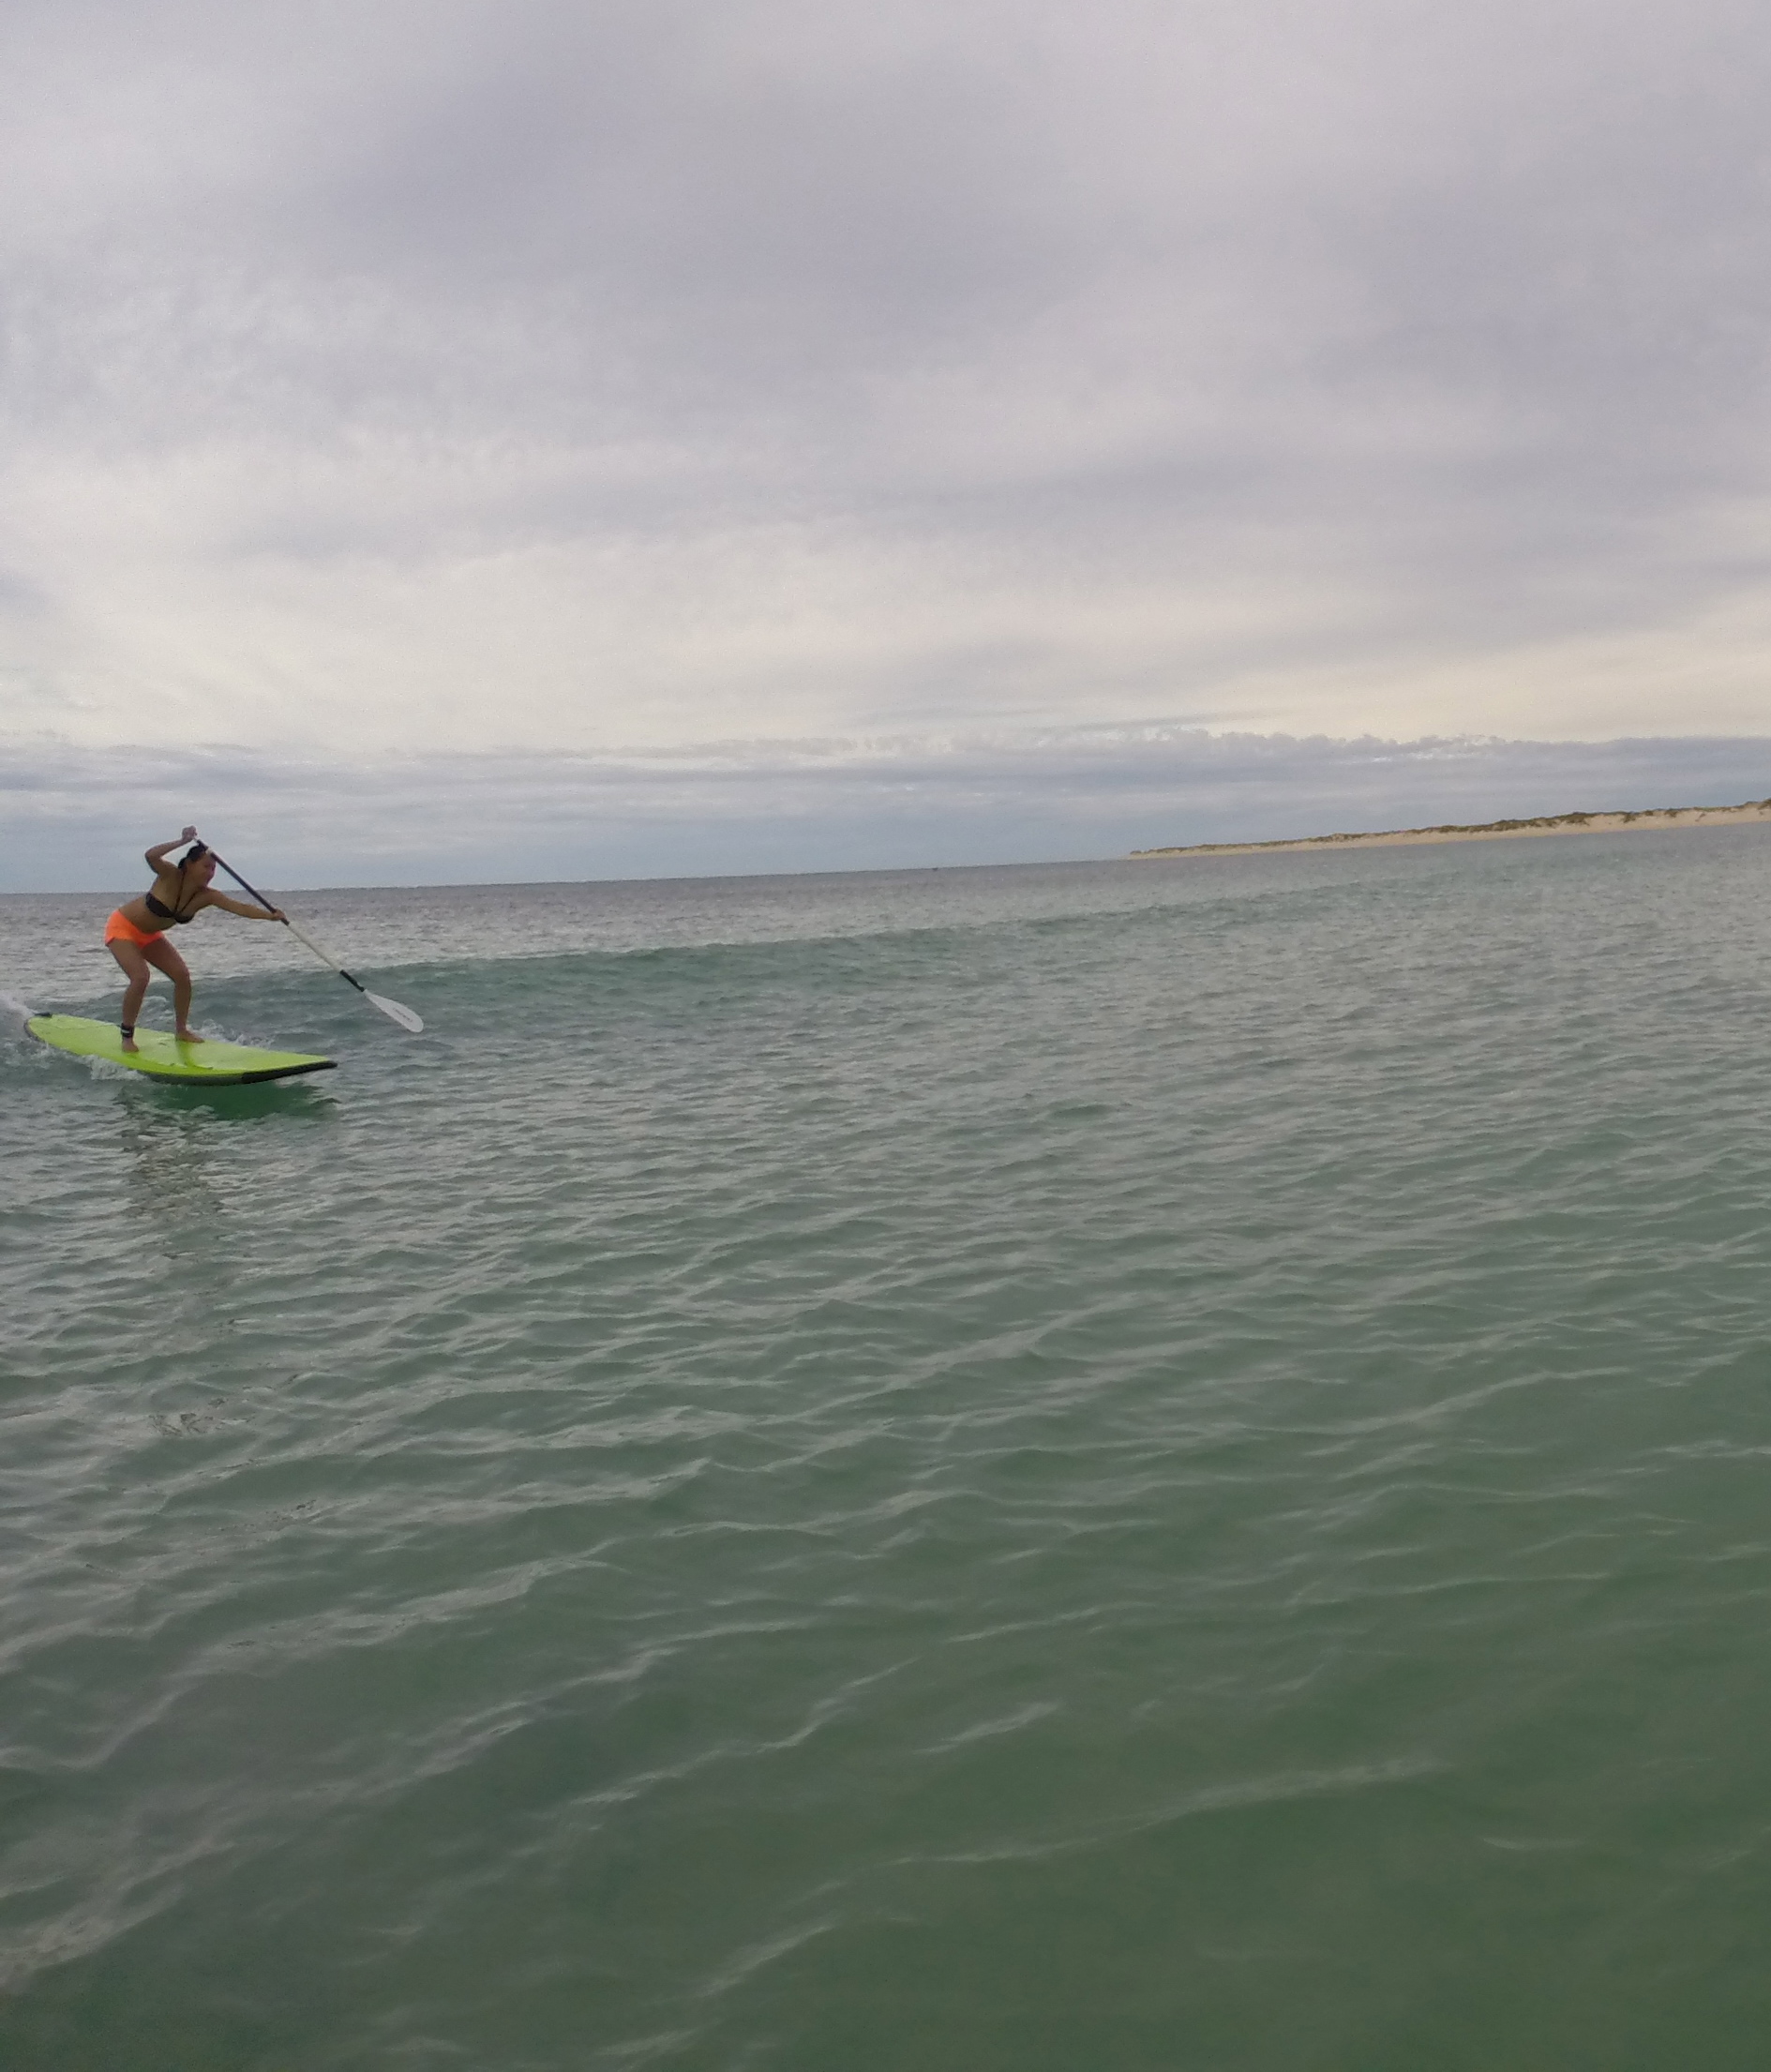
x,y
223,863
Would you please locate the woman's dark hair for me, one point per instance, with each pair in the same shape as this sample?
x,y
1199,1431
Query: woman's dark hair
x,y
193,854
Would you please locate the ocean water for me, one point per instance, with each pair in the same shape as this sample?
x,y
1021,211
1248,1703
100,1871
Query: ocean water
x,y
1154,1467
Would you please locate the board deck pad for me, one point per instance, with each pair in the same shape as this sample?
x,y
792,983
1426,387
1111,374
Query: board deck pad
x,y
161,1056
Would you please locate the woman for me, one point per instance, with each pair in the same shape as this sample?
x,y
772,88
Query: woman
x,y
136,933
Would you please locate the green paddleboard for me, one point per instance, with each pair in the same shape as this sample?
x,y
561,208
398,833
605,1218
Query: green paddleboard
x,y
163,1056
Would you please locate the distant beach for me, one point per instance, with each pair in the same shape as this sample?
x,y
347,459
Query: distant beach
x,y
1498,831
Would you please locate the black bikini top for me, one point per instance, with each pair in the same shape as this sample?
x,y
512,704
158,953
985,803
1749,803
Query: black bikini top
x,y
162,912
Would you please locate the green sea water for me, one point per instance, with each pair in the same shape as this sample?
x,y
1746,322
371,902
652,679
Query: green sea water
x,y
1154,1467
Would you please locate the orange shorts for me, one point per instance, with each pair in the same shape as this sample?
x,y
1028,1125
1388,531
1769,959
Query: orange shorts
x,y
121,928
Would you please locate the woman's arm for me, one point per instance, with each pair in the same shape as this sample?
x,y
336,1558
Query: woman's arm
x,y
157,855
239,906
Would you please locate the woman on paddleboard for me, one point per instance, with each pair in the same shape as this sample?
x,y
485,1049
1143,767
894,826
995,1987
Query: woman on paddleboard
x,y
136,933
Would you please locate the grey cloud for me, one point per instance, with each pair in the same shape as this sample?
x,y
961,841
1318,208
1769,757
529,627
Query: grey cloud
x,y
1456,317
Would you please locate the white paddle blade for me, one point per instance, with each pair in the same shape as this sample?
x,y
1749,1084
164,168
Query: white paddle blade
x,y
395,1013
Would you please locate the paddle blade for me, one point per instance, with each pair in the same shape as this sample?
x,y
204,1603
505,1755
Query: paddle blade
x,y
395,1013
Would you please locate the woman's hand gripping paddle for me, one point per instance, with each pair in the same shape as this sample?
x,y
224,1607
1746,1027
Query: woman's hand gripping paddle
x,y
392,1009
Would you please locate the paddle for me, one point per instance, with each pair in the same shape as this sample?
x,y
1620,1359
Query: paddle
x,y
392,1009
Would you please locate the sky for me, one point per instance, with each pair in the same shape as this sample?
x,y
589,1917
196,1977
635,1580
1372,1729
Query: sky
x,y
457,440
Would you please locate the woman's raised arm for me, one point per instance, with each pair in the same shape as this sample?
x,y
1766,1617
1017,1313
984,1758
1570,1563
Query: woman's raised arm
x,y
157,855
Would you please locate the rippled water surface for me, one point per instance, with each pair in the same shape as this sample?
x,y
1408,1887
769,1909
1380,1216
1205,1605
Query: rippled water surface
x,y
1125,1468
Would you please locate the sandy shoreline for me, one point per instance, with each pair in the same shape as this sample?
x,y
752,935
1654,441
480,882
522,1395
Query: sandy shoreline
x,y
1753,812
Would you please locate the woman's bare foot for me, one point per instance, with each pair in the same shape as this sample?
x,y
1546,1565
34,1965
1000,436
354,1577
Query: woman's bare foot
x,y
189,1036
130,1043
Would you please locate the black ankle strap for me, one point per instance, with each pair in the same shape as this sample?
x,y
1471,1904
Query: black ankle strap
x,y
128,1028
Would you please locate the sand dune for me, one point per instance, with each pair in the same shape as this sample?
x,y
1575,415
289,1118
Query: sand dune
x,y
1499,830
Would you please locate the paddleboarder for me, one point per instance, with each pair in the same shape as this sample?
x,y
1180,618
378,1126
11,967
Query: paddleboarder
x,y
136,933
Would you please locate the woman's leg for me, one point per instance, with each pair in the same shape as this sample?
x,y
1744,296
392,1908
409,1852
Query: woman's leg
x,y
165,958
135,969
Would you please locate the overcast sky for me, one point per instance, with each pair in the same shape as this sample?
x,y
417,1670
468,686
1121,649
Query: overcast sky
x,y
530,390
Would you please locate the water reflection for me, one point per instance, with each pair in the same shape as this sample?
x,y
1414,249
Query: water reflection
x,y
178,1137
